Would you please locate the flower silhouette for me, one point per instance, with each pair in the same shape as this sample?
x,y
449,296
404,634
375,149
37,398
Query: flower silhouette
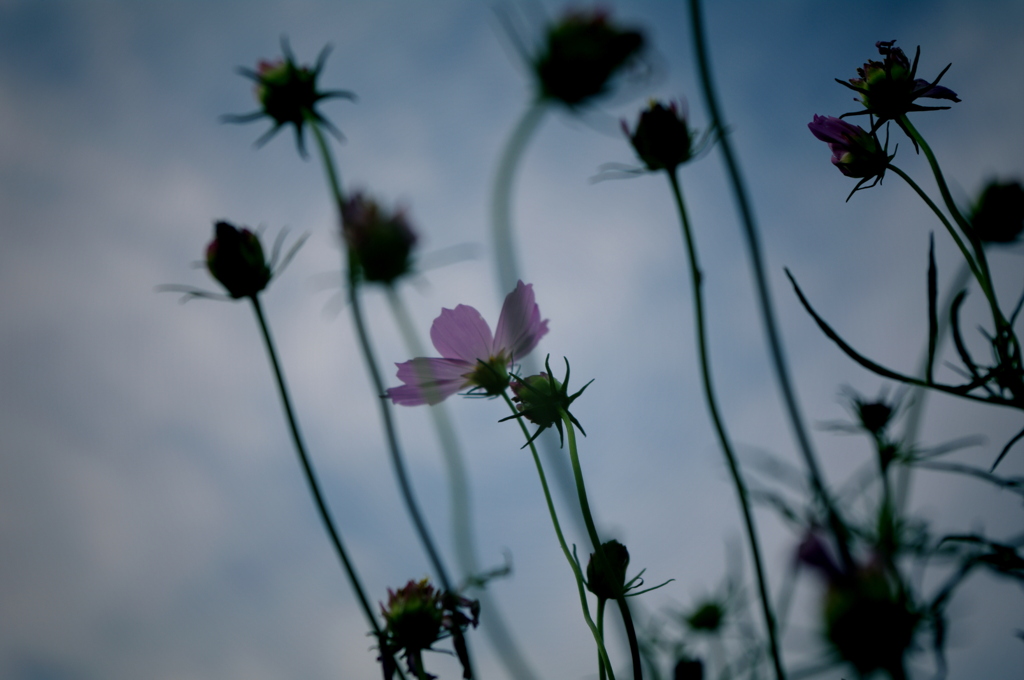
x,y
856,152
471,357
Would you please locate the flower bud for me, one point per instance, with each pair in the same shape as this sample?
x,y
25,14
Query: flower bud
x,y
235,258
606,578
541,399
582,53
689,669
662,138
380,242
998,216
707,617
414,616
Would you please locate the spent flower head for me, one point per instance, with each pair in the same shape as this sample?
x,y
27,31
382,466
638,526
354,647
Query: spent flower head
x,y
542,400
581,54
379,241
287,94
663,138
471,357
998,216
889,88
856,152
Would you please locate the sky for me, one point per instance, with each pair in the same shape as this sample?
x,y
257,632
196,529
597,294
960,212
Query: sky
x,y
154,522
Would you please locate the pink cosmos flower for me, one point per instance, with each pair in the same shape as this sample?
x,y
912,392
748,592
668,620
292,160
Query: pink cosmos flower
x,y
472,358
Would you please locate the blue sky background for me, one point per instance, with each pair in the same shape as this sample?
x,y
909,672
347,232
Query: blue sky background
x,y
153,519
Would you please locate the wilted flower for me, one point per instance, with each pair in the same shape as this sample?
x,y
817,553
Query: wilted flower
x,y
607,578
416,617
380,241
888,88
470,356
235,258
856,152
542,400
581,54
998,216
663,139
288,95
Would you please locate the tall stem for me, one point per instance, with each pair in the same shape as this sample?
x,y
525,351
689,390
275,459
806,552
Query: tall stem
x,y
495,627
397,462
573,564
764,296
599,553
311,478
723,437
501,201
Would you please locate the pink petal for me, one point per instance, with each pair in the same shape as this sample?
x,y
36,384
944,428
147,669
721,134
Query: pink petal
x,y
519,326
461,333
429,381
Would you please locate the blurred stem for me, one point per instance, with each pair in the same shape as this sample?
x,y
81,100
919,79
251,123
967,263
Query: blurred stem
x,y
723,436
599,553
397,462
573,564
600,629
497,631
764,296
501,201
311,478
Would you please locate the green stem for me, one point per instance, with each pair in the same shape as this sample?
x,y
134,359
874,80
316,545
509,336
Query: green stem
x,y
501,202
600,629
764,296
588,518
496,629
397,462
723,436
573,564
311,478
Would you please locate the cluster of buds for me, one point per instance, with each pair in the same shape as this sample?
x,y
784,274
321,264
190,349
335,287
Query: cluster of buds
x,y
416,617
581,54
542,400
380,242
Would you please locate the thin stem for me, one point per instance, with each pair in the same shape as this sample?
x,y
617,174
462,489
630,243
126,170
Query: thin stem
x,y
496,629
723,436
311,478
764,296
600,629
588,518
573,564
397,462
501,202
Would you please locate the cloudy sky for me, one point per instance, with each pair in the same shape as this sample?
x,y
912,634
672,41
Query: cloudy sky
x,y
153,519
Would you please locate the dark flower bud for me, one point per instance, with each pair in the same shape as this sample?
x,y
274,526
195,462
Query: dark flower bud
x,y
288,95
707,617
888,89
542,399
606,577
663,140
855,151
235,258
379,241
414,616
998,216
581,54
689,669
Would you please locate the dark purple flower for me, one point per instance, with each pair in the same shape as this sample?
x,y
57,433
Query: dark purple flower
x,y
380,241
288,95
662,138
470,356
235,258
856,152
888,89
581,54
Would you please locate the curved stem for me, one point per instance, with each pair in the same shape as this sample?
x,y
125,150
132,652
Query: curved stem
x,y
723,436
588,518
311,478
573,564
501,201
496,629
764,297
